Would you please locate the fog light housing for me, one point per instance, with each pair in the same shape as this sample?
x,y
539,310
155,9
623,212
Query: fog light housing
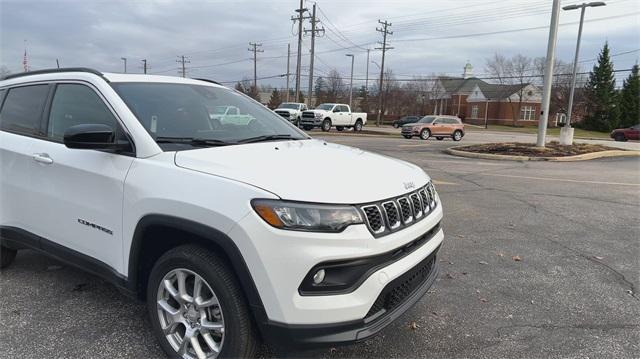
x,y
319,276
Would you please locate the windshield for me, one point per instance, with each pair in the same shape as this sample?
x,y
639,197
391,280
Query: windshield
x,y
293,106
427,119
184,111
325,107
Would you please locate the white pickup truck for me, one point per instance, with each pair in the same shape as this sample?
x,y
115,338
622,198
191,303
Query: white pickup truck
x,y
292,111
328,115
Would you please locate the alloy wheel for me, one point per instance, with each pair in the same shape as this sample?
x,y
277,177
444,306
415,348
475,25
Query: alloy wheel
x,y
190,315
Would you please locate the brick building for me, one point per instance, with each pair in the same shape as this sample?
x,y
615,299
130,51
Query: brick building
x,y
477,101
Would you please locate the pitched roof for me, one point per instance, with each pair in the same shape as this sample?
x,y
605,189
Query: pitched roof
x,y
459,84
498,91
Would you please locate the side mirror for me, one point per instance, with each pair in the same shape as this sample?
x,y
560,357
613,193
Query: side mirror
x,y
93,136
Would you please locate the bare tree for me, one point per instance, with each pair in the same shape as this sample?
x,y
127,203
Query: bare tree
x,y
4,72
562,86
513,75
335,86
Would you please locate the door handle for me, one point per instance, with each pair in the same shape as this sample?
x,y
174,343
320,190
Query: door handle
x,y
42,158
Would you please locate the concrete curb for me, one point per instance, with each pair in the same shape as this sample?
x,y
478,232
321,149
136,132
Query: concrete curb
x,y
584,157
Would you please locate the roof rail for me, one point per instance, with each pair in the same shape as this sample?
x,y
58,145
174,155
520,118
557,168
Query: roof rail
x,y
208,80
49,71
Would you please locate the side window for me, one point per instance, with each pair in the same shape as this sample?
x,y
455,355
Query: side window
x,y
75,104
344,108
22,109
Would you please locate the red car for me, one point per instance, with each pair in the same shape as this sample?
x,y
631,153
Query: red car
x,y
623,134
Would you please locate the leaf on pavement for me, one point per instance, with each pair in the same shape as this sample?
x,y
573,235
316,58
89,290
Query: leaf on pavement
x,y
516,258
500,254
414,326
484,300
598,258
483,262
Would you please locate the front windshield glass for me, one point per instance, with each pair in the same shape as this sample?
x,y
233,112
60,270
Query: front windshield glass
x,y
169,110
427,119
293,106
325,107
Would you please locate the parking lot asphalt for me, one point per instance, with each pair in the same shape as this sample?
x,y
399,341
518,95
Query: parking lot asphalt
x,y
540,260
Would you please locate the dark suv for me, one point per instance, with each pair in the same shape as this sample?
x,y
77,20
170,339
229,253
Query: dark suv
x,y
405,120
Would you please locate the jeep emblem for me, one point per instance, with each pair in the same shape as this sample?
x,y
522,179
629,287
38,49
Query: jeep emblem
x,y
409,185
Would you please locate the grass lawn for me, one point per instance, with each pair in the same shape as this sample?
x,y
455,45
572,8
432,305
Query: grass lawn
x,y
553,131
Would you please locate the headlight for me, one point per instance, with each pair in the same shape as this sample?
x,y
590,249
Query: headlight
x,y
318,115
305,216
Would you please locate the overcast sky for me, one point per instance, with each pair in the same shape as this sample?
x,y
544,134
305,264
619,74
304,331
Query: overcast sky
x,y
428,36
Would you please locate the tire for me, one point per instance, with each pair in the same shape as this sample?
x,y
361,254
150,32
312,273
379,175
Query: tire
x,y
425,134
358,126
457,135
408,137
620,137
439,138
7,255
298,122
307,127
326,125
396,125
340,128
226,308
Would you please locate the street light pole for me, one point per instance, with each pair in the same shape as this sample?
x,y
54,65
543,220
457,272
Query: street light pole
x,y
566,133
124,59
351,80
548,74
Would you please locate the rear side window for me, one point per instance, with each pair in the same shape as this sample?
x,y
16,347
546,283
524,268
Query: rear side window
x,y
22,109
75,104
344,108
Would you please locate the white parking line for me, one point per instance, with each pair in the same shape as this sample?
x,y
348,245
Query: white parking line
x,y
560,179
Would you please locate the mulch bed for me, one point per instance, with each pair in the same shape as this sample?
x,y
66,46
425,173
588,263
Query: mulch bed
x,y
552,149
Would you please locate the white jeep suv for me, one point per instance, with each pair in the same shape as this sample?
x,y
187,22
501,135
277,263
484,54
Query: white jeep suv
x,y
232,231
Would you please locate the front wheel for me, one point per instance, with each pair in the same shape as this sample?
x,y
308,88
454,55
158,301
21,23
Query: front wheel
x,y
7,255
326,125
408,137
298,122
396,125
197,308
358,126
457,135
620,137
425,134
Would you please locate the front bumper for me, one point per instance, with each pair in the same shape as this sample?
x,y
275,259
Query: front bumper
x,y
280,260
419,279
308,121
409,132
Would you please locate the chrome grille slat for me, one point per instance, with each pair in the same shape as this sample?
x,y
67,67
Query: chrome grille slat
x,y
394,214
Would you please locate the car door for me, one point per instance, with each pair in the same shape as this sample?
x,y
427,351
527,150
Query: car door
x,y
634,133
438,126
80,192
20,119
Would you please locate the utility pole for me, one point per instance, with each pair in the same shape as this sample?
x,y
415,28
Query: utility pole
x,y
57,63
183,61
124,59
366,79
548,74
566,132
254,48
351,80
313,32
288,71
300,17
385,31
144,65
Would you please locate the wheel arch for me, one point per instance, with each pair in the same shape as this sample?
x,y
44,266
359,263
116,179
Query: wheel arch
x,y
155,234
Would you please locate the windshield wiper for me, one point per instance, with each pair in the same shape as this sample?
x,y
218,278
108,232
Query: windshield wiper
x,y
193,141
267,138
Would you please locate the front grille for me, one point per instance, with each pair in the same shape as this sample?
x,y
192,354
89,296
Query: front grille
x,y
285,114
405,209
394,214
308,114
393,217
396,292
417,205
374,218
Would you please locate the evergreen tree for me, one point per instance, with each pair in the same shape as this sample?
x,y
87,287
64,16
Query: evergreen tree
x,y
275,99
364,99
320,90
602,112
630,100
252,92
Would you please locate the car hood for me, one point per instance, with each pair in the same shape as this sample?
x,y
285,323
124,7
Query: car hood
x,y
285,109
308,170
